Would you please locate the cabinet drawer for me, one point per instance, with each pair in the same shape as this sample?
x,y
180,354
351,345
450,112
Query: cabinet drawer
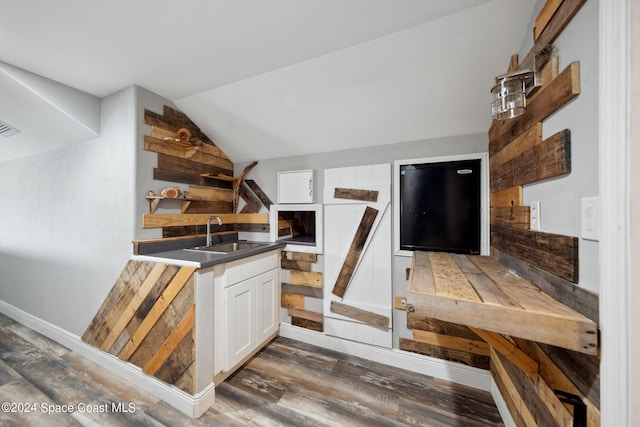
x,y
243,269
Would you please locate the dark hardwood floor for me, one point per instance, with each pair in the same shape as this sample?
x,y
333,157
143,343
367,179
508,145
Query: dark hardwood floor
x,y
289,383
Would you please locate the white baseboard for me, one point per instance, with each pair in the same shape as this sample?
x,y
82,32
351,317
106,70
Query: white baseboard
x,y
438,368
191,405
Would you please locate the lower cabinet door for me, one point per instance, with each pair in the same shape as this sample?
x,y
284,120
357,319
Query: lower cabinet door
x,y
241,311
268,304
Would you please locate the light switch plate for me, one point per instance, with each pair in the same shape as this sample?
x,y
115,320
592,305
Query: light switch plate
x,y
534,215
591,218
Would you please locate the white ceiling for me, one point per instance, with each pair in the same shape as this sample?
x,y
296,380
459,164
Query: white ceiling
x,y
279,77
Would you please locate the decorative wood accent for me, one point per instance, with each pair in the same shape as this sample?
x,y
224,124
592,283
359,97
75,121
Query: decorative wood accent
x,y
452,342
303,256
545,15
178,220
551,98
305,314
307,291
140,321
400,303
470,359
364,316
235,182
357,245
510,351
551,158
184,150
356,194
169,345
530,138
560,19
307,324
507,198
266,201
288,300
309,278
292,264
513,64
253,204
516,217
554,253
171,164
525,312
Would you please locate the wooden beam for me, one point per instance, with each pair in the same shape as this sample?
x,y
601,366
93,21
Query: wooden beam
x,y
554,253
253,204
560,19
516,217
372,319
307,291
355,194
551,98
266,201
178,220
510,351
355,251
548,10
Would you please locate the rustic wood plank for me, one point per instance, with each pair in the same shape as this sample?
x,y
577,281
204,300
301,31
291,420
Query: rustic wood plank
x,y
179,220
355,251
552,30
470,359
132,306
558,379
177,164
185,150
551,98
582,300
510,351
212,194
372,319
307,324
449,280
288,300
309,278
175,369
517,407
575,333
483,285
355,194
440,327
515,216
554,253
302,256
291,264
170,292
266,201
305,314
181,330
545,15
528,139
456,343
97,323
308,291
508,197
253,203
420,275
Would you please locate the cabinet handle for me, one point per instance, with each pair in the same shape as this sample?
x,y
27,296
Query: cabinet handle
x,y
310,186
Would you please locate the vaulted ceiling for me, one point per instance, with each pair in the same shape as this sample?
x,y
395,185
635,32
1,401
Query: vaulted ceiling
x,y
266,78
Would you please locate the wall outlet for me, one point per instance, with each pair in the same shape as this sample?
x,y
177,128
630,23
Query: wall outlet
x,y
591,218
534,215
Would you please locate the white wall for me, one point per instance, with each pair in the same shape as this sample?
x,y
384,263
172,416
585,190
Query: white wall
x,y
67,221
560,199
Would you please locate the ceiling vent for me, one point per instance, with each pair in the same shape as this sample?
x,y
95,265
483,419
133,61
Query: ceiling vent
x,y
7,130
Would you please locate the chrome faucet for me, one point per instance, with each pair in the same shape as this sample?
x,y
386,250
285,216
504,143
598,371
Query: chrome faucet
x,y
209,227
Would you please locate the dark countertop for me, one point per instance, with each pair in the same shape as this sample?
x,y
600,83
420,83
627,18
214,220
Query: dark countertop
x,y
204,259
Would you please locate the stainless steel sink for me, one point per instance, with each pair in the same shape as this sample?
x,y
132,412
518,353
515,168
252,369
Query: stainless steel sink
x,y
226,247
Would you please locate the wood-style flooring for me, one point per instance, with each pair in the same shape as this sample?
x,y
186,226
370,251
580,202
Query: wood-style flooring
x,y
289,383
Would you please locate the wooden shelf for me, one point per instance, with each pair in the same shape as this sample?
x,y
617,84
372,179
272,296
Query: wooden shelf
x,y
180,220
479,292
154,201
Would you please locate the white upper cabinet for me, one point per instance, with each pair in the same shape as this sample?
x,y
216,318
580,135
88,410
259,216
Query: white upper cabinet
x,y
295,186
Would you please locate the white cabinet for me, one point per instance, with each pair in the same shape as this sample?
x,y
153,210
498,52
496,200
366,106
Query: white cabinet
x,y
251,315
247,301
295,186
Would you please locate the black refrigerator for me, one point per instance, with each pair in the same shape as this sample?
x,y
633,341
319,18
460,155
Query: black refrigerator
x,y
440,206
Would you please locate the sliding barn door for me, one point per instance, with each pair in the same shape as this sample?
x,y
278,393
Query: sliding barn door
x,y
357,223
